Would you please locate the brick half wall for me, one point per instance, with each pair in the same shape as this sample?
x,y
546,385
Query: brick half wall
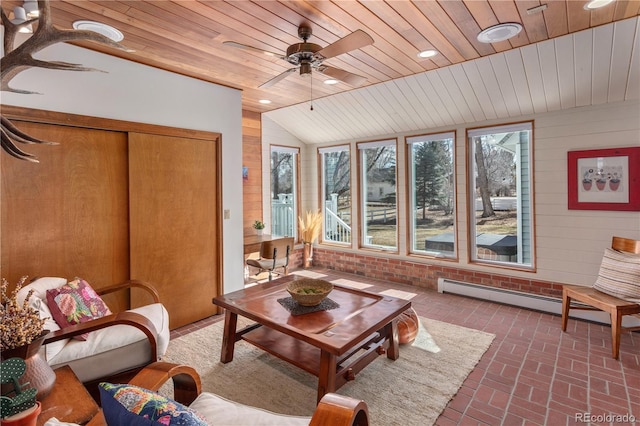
x,y
421,274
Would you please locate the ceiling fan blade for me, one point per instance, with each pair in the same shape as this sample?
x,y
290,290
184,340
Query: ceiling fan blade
x,y
353,41
277,78
251,48
342,75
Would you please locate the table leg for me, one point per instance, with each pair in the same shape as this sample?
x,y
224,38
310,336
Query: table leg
x,y
228,336
327,374
391,331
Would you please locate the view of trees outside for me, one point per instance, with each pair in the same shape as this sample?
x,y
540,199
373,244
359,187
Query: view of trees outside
x,y
378,161
336,173
495,171
500,206
283,183
503,212
432,192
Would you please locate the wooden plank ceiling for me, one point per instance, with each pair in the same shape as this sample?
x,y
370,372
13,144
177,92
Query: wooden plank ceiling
x,y
186,36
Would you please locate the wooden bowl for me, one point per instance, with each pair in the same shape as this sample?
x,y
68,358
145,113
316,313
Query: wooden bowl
x,y
308,291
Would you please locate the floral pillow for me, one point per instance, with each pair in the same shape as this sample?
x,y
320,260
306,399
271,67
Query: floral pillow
x,y
128,405
74,303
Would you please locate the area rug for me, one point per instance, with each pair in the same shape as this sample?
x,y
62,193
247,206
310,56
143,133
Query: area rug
x,y
413,390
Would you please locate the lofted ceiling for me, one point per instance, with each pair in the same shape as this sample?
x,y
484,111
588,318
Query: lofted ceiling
x,y
564,57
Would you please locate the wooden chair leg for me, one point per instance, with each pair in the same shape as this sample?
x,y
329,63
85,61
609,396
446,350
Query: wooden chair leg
x,y
566,304
616,328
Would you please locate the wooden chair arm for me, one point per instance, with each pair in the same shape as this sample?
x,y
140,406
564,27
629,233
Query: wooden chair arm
x,y
186,384
132,319
129,284
186,381
338,410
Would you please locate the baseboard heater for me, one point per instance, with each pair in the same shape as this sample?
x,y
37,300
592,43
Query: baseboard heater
x,y
526,300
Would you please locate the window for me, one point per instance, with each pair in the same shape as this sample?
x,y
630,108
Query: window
x,y
378,181
335,166
284,183
501,219
432,194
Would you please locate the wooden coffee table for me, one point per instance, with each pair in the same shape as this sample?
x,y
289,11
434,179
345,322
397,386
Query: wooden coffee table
x,y
333,345
68,401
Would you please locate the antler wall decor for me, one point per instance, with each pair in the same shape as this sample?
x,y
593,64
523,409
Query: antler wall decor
x,y
17,59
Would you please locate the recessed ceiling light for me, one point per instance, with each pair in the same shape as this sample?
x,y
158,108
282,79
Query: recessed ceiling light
x,y
100,28
596,4
427,53
264,101
330,81
499,32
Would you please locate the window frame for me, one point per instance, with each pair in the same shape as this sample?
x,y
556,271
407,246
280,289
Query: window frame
x,y
323,198
522,252
295,190
410,191
362,194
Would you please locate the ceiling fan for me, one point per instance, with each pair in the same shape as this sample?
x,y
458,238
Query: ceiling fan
x,y
310,56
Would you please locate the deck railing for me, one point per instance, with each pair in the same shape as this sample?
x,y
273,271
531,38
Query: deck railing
x,y
335,228
283,218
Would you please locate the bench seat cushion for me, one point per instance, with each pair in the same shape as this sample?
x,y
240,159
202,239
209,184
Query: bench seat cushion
x,y
114,349
220,411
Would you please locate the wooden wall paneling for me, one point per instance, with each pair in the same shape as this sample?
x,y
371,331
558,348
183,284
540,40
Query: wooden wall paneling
x,y
252,158
67,216
174,192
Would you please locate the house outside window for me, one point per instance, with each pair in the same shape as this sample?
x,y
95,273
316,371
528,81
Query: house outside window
x,y
432,194
501,214
379,211
335,165
284,184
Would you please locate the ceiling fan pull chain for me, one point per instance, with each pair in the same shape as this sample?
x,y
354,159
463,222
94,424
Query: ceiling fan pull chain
x,y
311,78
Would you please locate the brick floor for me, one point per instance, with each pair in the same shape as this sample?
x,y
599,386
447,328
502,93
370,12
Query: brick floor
x,y
533,373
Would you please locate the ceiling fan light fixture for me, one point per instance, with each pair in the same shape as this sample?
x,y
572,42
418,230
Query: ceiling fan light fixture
x,y
100,28
499,32
305,69
596,4
427,53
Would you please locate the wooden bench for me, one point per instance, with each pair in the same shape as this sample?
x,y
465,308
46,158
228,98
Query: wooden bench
x,y
598,301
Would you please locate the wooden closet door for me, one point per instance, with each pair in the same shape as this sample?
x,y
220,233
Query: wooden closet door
x,y
174,216
67,216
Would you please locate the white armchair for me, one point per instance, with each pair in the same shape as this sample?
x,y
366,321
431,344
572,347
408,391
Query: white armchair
x,y
118,345
332,410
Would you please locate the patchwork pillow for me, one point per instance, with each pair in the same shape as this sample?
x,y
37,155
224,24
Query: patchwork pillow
x,y
74,303
619,275
128,405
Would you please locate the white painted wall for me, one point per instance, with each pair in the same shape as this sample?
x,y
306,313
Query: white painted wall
x,y
133,92
569,243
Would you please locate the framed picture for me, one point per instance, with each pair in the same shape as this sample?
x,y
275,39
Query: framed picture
x,y
604,179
